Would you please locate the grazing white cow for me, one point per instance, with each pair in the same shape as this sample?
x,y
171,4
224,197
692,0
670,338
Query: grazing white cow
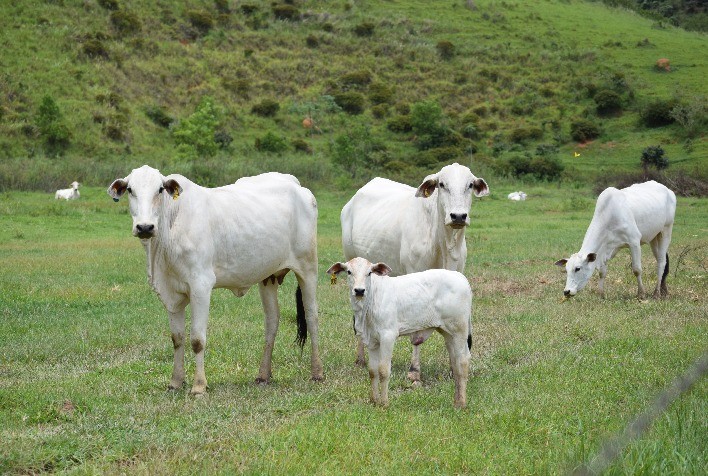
x,y
412,229
68,193
517,196
196,239
630,217
415,304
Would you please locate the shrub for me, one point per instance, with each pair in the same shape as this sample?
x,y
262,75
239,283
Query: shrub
x,y
379,111
658,113
312,41
302,145
95,49
222,6
223,139
446,49
546,168
522,164
692,115
286,12
380,93
351,102
399,124
197,131
355,79
356,150
470,131
583,130
109,4
653,156
432,157
521,135
608,102
364,29
240,86
51,126
159,116
248,9
428,123
201,20
271,143
125,23
266,108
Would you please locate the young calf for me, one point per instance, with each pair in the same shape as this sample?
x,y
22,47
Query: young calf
x,y
68,193
411,305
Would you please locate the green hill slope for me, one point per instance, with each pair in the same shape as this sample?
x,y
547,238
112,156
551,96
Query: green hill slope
x,y
393,87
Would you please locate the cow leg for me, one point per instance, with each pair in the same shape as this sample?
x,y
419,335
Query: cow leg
x,y
636,253
460,364
308,287
269,298
177,331
374,351
360,357
660,248
384,365
602,270
199,300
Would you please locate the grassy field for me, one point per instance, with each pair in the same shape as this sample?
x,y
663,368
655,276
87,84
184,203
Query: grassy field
x,y
85,357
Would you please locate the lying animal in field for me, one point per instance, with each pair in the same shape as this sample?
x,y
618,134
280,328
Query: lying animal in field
x,y
630,217
517,196
68,193
412,305
412,229
251,232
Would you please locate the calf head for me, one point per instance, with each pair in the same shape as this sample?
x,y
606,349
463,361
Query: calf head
x,y
146,187
455,185
579,268
359,275
75,185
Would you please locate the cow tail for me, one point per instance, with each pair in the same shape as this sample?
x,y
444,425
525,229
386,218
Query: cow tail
x,y
666,270
301,321
469,335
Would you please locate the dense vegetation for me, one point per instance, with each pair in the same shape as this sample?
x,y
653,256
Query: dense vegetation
x,y
688,14
336,92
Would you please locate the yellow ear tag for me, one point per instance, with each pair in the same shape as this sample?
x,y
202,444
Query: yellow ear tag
x,y
333,279
176,195
426,192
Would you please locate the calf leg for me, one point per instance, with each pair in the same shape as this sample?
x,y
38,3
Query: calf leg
x,y
360,358
374,372
177,331
635,251
460,364
384,365
269,298
199,301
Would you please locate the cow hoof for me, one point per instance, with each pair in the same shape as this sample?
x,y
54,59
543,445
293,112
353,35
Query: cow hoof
x,y
460,405
173,387
197,392
318,378
416,383
360,362
262,381
414,375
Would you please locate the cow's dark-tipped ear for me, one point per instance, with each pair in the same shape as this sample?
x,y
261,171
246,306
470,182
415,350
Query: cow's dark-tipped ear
x,y
382,269
337,268
592,257
480,187
428,186
172,187
117,189
561,262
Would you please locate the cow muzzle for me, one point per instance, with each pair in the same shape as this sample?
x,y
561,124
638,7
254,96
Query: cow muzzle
x,y
458,220
144,230
568,293
359,293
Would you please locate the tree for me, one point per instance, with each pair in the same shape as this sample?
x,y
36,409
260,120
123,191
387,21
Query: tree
x,y
653,156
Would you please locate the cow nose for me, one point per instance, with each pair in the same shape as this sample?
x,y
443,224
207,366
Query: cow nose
x,y
566,292
144,229
458,217
359,291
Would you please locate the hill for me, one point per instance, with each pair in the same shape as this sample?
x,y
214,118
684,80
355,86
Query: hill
x,y
219,89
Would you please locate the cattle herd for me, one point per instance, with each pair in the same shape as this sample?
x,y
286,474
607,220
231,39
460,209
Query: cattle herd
x,y
404,247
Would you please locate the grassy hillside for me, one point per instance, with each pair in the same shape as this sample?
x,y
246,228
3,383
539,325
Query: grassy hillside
x,y
136,82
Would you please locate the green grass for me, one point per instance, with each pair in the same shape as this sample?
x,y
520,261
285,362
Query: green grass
x,y
85,356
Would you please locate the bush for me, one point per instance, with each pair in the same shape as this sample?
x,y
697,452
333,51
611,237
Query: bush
x,y
312,41
301,145
356,150
446,49
522,164
223,139
95,49
222,6
653,156
364,29
351,102
608,102
470,131
432,157
428,123
109,4
522,135
125,23
271,143
692,115
380,93
355,79
196,133
286,12
201,20
159,116
658,113
51,126
379,111
248,9
400,124
583,130
240,86
266,108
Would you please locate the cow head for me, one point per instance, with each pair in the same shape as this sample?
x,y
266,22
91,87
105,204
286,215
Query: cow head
x,y
455,185
75,185
145,187
359,274
579,268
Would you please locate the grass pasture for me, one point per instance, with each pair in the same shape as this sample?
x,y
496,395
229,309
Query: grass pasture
x,y
85,357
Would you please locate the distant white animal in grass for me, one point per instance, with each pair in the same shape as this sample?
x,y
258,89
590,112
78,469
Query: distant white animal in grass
x,y
630,217
412,305
251,232
412,229
68,193
517,196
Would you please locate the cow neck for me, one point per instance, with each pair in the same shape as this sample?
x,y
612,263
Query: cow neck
x,y
157,246
363,311
452,239
597,240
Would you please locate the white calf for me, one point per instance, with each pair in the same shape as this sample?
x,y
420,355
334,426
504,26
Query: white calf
x,y
68,193
411,305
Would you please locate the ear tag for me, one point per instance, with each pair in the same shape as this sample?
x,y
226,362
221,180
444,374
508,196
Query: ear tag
x,y
176,195
426,192
333,279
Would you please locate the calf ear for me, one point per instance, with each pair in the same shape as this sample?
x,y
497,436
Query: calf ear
x,y
337,268
382,269
117,189
480,187
172,187
561,262
428,186
592,257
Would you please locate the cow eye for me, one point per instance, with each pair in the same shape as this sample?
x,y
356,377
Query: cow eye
x,y
130,190
441,185
349,272
577,269
162,189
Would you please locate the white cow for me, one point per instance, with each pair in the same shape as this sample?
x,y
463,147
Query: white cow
x,y
68,193
517,196
630,217
415,304
197,239
412,230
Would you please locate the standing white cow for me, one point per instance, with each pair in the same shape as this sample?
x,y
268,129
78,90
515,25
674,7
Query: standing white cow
x,y
630,217
68,193
415,304
412,229
196,239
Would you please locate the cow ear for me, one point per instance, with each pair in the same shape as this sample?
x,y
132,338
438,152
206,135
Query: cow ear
x,y
117,189
337,268
428,186
382,269
592,257
561,262
480,187
172,187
